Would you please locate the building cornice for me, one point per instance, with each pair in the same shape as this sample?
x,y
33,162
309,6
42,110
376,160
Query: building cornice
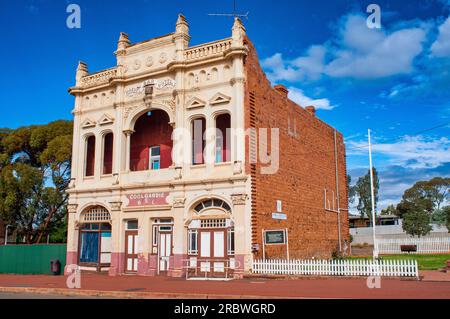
x,y
172,184
194,56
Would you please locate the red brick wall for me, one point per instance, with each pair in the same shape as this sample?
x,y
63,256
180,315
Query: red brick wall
x,y
307,167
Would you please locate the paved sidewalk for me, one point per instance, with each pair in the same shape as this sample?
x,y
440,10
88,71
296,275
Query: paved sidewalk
x,y
434,275
164,287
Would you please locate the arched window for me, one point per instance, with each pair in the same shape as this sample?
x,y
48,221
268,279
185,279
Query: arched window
x,y
212,203
151,143
108,141
223,138
198,140
90,156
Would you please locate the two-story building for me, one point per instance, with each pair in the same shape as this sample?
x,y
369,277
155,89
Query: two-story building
x,y
172,170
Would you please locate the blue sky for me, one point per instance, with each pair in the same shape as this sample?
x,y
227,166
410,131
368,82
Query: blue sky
x,y
394,80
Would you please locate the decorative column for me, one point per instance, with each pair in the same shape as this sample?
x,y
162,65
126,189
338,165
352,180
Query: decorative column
x,y
117,256
144,246
240,242
128,134
98,156
238,53
72,236
179,239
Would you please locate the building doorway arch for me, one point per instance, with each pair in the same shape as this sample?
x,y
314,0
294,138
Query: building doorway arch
x,y
95,238
211,239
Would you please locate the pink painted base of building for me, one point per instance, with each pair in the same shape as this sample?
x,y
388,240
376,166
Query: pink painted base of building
x,y
149,266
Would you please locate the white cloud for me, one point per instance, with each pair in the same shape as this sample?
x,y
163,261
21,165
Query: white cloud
x,y
306,67
441,47
369,53
278,69
301,99
312,65
415,152
354,52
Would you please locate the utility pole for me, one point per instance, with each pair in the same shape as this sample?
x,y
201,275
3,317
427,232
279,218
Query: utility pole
x,y
372,191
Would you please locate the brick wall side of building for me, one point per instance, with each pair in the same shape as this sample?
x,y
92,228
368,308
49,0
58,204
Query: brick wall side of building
x,y
306,170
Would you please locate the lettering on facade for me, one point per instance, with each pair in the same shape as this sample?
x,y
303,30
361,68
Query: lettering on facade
x,y
159,84
147,199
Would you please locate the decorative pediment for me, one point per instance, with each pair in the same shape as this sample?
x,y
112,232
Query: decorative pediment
x,y
219,98
195,103
88,123
105,120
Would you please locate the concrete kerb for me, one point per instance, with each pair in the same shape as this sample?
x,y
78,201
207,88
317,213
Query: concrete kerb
x,y
126,295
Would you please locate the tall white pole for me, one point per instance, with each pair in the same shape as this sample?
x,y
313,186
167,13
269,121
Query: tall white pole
x,y
6,234
372,191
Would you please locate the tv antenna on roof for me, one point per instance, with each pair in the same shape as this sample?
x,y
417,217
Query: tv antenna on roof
x,y
234,14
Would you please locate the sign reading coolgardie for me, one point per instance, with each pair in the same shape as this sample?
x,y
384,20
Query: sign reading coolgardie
x,y
147,199
274,237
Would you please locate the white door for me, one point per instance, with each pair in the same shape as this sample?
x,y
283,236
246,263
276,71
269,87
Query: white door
x,y
205,244
132,251
219,244
165,250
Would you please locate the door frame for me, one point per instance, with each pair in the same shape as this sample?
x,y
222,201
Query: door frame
x,y
160,272
134,233
225,259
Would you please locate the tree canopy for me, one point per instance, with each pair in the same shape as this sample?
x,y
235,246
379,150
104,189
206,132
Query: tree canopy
x,y
422,204
35,164
428,195
362,190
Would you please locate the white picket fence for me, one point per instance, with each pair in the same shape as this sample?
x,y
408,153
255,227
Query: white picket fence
x,y
426,245
357,267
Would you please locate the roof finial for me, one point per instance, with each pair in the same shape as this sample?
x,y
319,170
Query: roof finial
x,y
238,32
82,71
123,42
182,25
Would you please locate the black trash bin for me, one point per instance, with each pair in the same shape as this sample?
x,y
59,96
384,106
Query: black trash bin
x,y
55,267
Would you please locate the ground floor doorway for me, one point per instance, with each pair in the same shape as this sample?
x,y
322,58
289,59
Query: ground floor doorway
x,y
211,249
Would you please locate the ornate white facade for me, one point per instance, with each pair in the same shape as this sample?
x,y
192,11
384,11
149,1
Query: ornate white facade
x,y
155,215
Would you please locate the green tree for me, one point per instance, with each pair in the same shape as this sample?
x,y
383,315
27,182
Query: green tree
x,y
351,190
446,209
427,195
390,210
363,192
35,172
416,222
439,217
438,190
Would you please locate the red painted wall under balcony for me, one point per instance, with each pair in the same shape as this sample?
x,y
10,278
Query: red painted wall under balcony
x,y
223,123
108,153
151,129
90,156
